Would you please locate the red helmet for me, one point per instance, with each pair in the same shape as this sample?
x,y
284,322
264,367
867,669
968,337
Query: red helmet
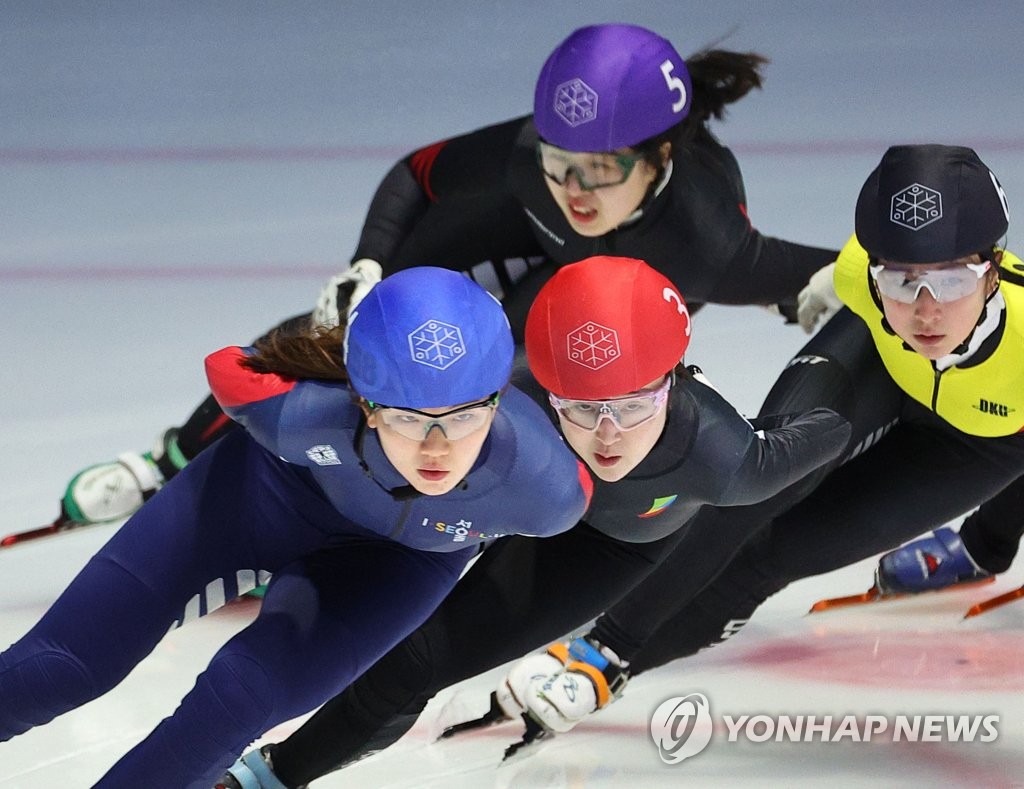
x,y
605,327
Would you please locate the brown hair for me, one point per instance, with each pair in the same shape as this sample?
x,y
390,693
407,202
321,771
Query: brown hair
x,y
316,353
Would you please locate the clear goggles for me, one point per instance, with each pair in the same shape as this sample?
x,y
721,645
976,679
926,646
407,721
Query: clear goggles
x,y
592,170
455,424
626,413
903,283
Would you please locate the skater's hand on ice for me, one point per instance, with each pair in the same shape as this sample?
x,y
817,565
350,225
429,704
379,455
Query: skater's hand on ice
x,y
592,677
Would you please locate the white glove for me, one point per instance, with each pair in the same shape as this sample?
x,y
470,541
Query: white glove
x,y
511,691
592,678
344,291
818,300
562,700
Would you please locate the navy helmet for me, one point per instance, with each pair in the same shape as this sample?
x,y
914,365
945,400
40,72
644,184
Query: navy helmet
x,y
930,203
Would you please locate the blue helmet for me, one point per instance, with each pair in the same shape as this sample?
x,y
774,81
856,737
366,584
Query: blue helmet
x,y
610,86
428,338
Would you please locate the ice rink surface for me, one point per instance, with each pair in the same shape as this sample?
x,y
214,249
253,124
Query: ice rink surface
x,y
179,177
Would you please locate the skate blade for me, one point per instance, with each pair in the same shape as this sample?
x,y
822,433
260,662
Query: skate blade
x,y
494,715
473,725
518,751
61,524
534,734
995,602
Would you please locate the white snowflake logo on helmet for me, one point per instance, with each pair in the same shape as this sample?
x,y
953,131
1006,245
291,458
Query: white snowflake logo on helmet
x,y
436,344
593,345
576,102
916,206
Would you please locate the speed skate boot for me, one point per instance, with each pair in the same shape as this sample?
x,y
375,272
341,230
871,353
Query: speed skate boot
x,y
113,491
254,770
937,561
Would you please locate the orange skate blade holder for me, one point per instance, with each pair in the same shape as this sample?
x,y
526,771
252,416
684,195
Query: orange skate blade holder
x,y
995,602
870,596
875,595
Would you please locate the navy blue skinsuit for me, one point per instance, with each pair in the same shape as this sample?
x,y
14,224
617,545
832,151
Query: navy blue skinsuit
x,y
357,561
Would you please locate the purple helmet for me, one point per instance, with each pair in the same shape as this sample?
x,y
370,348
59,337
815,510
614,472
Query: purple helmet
x,y
610,86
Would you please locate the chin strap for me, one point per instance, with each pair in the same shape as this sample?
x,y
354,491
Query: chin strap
x,y
402,492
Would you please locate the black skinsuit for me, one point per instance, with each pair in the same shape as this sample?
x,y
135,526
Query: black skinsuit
x,y
907,471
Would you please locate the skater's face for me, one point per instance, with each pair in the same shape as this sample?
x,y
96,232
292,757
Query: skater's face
x,y
597,192
608,449
934,307
433,448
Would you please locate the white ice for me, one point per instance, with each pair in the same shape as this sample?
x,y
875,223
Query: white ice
x,y
179,177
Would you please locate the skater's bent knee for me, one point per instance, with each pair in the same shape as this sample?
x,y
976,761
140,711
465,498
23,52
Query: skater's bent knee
x,y
37,689
238,689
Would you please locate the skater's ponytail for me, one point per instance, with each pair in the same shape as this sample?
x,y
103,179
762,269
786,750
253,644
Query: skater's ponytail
x,y
720,77
316,354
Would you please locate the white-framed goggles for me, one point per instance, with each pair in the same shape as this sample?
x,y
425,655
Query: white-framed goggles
x,y
903,282
627,413
455,424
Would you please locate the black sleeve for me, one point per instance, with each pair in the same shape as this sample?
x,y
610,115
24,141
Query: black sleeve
x,y
745,466
786,453
396,207
768,270
448,204
763,269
